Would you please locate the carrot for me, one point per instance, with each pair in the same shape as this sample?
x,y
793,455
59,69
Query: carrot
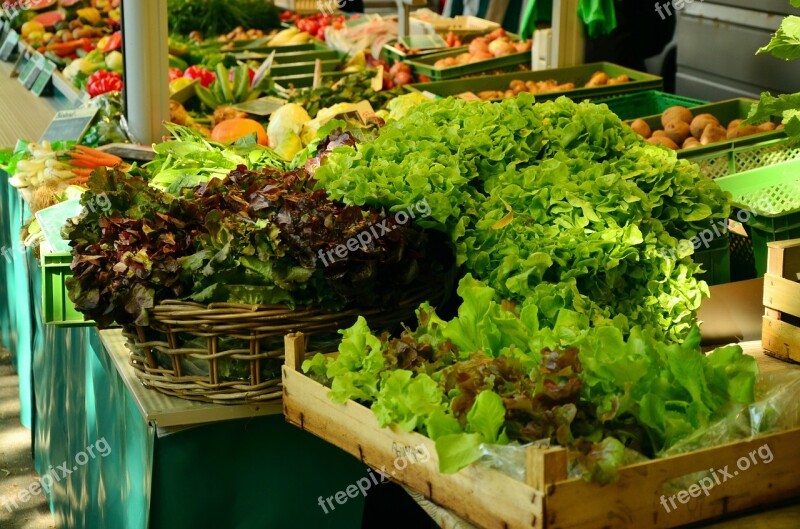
x,y
100,155
84,164
94,162
83,172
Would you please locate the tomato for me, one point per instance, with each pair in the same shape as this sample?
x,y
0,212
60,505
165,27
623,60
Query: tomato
x,y
175,73
312,27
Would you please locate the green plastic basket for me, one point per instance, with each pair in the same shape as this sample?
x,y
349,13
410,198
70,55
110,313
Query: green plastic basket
x,y
424,65
716,261
739,159
305,80
576,74
767,202
716,154
743,263
57,308
299,68
632,106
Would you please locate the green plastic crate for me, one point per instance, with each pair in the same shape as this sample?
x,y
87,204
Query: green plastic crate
x,y
304,80
725,111
576,74
428,43
306,56
716,262
767,202
391,53
57,308
632,106
739,159
262,45
424,65
299,68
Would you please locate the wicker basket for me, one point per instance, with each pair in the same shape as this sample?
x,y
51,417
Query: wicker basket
x,y
230,353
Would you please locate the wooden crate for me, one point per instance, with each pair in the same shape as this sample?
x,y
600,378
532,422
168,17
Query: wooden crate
x,y
548,500
781,338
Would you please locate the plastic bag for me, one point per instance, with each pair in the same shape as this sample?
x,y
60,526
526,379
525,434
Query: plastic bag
x,y
776,408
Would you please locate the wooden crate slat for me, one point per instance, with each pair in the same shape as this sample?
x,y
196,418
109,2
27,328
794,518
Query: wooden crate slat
x,y
784,259
491,500
480,495
782,294
634,501
781,339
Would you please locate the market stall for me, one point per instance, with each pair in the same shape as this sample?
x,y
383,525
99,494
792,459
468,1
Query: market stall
x,y
350,248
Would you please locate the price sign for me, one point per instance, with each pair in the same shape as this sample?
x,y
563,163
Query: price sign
x,y
31,70
69,125
19,64
43,80
9,46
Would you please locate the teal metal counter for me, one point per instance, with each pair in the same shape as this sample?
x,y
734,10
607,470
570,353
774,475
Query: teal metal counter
x,y
16,315
254,471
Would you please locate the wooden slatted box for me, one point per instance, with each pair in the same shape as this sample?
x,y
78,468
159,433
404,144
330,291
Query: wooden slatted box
x,y
781,325
548,499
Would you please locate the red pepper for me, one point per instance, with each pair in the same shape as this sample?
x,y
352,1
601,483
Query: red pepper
x,y
175,73
196,72
114,42
103,81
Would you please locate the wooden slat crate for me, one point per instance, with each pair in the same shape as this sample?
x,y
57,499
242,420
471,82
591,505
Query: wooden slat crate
x,y
489,499
781,338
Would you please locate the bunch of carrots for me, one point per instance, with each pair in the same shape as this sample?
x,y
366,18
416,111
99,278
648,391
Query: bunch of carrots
x,y
84,160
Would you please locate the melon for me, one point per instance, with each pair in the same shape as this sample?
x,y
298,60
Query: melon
x,y
69,3
49,19
41,4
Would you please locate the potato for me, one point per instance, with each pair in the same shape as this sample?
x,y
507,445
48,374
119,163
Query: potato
x,y
735,123
517,85
598,79
619,80
663,140
676,113
677,131
780,127
766,127
742,131
690,142
700,122
659,134
641,128
712,134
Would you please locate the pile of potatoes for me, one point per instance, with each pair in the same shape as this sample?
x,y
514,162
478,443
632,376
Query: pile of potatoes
x,y
683,130
545,87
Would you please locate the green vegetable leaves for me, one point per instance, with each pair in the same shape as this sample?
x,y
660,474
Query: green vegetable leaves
x,y
786,105
785,44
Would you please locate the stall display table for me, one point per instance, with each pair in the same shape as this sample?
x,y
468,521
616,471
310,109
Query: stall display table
x,y
173,463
